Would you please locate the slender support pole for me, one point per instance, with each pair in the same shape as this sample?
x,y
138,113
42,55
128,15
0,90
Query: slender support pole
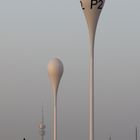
x,y
91,84
91,96
55,116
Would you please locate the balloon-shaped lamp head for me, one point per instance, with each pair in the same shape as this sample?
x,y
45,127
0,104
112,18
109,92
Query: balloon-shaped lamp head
x,y
55,71
92,10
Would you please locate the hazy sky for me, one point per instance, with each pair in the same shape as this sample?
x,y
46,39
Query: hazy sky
x,y
34,31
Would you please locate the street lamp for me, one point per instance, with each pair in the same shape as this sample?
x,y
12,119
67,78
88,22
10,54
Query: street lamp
x,y
92,10
55,71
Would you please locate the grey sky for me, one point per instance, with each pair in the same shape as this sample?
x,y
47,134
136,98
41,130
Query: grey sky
x,y
33,32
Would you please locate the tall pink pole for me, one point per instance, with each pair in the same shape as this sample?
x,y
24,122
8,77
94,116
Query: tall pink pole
x,y
92,10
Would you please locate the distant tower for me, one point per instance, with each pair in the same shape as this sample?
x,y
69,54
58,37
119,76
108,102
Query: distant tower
x,y
136,133
42,126
110,138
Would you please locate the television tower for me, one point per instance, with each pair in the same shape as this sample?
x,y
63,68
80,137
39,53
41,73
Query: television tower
x,y
136,133
42,126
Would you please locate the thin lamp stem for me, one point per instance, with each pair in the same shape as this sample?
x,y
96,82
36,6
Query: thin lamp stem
x,y
55,116
91,95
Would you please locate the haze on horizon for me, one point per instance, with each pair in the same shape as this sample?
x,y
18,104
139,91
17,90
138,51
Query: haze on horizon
x,y
33,32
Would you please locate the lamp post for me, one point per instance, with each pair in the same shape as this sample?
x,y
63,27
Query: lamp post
x,y
55,71
92,10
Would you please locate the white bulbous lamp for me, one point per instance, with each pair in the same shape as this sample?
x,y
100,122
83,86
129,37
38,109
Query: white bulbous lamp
x,y
55,71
